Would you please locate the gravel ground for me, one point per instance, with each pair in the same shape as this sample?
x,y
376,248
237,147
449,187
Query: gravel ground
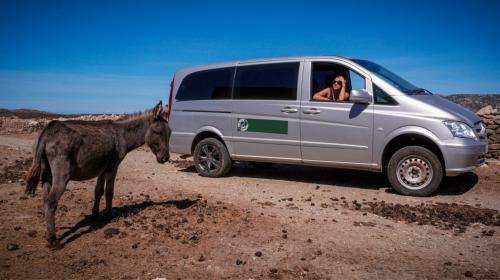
x,y
284,222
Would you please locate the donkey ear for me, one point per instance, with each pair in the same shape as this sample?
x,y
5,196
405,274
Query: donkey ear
x,y
158,110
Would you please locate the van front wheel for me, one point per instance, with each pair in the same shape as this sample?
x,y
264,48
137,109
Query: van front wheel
x,y
211,158
415,171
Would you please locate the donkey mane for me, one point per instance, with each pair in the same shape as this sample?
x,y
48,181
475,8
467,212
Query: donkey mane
x,y
136,115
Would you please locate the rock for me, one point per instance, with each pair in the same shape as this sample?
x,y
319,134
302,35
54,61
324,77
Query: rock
x,y
488,232
32,233
468,273
487,110
494,146
109,232
12,247
239,262
258,254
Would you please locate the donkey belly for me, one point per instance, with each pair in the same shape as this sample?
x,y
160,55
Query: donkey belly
x,y
90,165
90,169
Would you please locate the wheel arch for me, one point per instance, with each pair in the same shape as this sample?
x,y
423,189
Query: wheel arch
x,y
206,132
410,136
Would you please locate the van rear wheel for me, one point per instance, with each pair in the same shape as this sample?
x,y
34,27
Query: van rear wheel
x,y
415,171
211,158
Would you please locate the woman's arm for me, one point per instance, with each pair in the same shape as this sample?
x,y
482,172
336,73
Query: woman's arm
x,y
322,95
344,95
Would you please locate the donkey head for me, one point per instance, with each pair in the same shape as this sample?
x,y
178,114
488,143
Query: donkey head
x,y
158,134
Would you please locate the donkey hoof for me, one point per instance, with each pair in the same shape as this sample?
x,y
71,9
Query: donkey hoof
x,y
94,216
107,213
54,245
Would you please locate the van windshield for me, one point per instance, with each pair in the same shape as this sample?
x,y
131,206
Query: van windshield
x,y
393,79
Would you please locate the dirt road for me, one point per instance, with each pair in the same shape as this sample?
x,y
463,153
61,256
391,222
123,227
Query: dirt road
x,y
286,222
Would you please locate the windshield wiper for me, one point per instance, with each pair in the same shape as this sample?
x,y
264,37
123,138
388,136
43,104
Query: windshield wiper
x,y
418,91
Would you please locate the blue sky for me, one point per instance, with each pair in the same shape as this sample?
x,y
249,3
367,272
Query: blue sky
x,y
119,56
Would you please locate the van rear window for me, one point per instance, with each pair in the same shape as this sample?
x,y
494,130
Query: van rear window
x,y
206,85
267,81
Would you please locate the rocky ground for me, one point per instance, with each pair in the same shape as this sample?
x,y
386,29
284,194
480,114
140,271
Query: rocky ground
x,y
474,102
285,222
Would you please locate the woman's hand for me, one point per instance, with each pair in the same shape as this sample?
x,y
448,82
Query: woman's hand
x,y
344,82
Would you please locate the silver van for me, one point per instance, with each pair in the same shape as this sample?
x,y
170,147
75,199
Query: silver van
x,y
262,111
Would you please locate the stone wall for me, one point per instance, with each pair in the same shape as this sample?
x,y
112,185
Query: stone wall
x,y
491,119
14,125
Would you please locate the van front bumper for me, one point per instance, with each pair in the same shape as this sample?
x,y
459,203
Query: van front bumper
x,y
464,156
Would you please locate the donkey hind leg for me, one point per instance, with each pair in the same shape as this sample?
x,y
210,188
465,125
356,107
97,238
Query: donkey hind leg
x,y
110,185
99,191
46,180
60,177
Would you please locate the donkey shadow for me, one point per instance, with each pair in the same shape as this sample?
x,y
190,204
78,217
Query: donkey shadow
x,y
93,223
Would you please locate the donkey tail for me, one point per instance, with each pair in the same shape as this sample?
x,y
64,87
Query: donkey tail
x,y
35,170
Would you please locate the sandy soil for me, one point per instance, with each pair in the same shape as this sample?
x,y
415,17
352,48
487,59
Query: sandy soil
x,y
286,222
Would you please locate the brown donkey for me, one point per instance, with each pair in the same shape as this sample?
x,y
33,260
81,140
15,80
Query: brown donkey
x,y
81,150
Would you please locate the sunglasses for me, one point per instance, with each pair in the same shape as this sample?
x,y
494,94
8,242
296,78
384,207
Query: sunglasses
x,y
337,82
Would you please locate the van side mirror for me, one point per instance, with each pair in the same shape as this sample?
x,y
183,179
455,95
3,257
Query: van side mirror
x,y
360,96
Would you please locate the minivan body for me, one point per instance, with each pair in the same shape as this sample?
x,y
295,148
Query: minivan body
x,y
264,111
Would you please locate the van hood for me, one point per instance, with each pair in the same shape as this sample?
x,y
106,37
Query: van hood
x,y
451,108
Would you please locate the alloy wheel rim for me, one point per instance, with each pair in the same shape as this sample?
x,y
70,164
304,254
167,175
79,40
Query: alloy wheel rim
x,y
209,158
414,172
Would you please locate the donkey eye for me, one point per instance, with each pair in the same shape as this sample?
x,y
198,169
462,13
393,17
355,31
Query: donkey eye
x,y
156,130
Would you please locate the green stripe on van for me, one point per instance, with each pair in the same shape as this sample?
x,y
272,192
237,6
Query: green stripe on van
x,y
264,126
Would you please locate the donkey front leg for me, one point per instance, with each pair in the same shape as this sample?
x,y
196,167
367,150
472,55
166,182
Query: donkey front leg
x,y
99,191
110,185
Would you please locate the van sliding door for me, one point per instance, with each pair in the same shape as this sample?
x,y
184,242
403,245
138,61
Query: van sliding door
x,y
266,112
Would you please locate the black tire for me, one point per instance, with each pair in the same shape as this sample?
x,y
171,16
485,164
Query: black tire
x,y
415,171
262,165
211,158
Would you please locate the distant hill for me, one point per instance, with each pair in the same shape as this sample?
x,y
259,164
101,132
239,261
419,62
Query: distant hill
x,y
474,102
28,114
33,114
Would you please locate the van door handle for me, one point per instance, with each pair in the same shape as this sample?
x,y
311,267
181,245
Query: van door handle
x,y
289,110
312,111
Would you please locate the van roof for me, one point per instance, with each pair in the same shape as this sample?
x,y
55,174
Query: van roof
x,y
248,61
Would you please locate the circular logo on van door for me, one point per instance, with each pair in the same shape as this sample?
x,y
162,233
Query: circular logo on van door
x,y
242,124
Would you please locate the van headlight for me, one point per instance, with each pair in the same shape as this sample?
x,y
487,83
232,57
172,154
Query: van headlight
x,y
460,129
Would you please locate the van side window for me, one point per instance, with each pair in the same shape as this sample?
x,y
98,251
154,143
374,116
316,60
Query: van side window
x,y
381,97
206,85
267,81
